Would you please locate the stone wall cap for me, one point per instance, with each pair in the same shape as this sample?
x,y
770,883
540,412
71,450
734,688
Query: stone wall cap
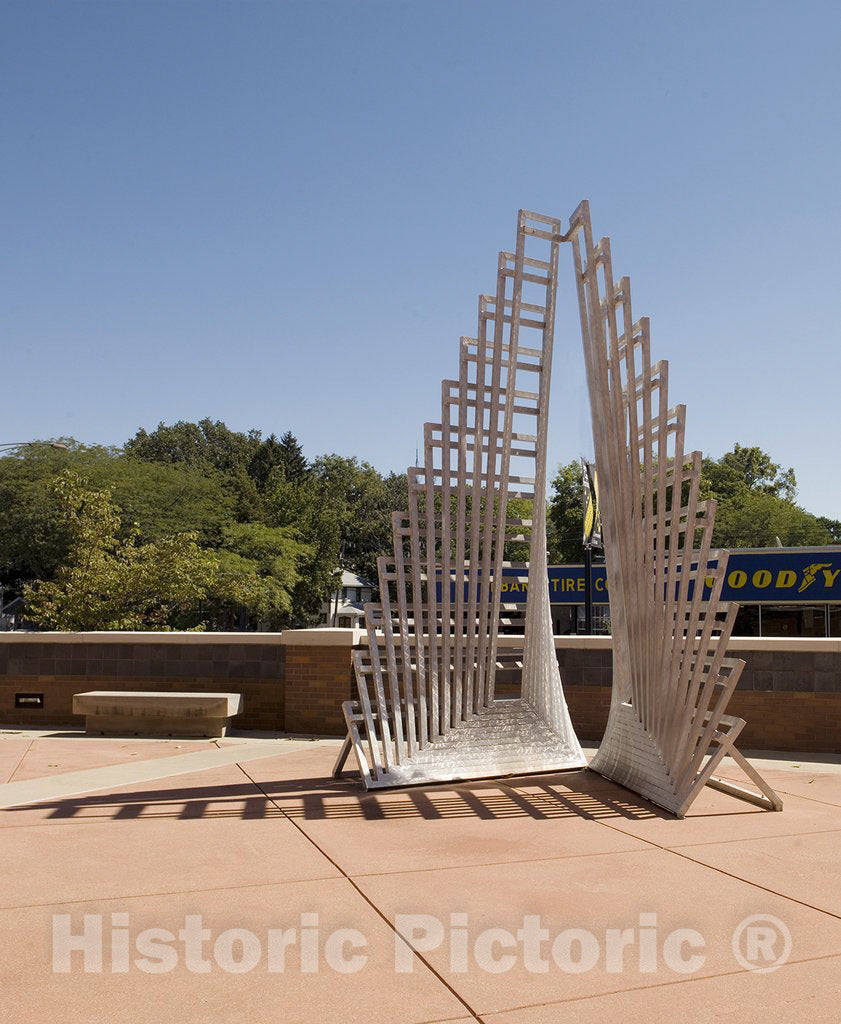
x,y
330,637
136,637
325,637
574,642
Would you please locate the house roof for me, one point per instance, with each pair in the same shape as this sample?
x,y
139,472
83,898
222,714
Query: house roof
x,y
350,579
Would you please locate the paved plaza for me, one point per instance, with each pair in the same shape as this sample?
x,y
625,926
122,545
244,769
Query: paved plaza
x,y
235,881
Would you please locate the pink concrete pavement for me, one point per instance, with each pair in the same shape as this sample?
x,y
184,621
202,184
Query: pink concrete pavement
x,y
262,844
32,754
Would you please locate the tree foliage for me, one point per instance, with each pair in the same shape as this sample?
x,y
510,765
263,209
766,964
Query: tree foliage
x,y
257,571
162,499
342,510
206,443
756,519
747,470
195,524
112,582
276,525
565,515
756,504
755,498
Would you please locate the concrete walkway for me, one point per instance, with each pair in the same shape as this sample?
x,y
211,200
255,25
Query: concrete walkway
x,y
255,888
180,757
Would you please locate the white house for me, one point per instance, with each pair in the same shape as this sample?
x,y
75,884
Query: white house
x,y
345,606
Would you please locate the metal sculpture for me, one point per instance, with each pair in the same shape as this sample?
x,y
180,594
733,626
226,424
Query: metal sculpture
x,y
427,708
668,728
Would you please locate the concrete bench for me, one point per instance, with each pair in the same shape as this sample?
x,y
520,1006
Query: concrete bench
x,y
141,713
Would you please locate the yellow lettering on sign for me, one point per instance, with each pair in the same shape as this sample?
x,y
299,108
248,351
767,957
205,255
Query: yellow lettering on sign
x,y
830,576
708,582
737,579
786,578
514,587
580,584
504,587
761,578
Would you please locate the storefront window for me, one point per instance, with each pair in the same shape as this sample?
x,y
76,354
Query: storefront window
x,y
564,619
794,620
751,620
747,621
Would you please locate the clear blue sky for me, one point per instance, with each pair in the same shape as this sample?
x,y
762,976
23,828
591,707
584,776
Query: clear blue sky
x,y
262,212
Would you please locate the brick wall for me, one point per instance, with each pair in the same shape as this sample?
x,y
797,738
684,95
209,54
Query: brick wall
x,y
58,670
588,708
318,680
789,693
806,722
790,699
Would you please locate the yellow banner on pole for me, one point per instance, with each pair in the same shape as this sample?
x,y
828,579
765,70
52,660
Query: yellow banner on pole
x,y
592,512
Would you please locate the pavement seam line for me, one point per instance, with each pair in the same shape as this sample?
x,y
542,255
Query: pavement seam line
x,y
797,796
676,852
754,839
443,981
172,892
756,885
662,984
746,881
20,762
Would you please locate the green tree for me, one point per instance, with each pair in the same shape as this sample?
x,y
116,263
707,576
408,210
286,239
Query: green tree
x,y
108,582
755,505
756,502
257,574
832,527
278,459
295,466
161,499
308,507
342,510
267,460
748,469
208,444
755,519
565,515
362,503
33,536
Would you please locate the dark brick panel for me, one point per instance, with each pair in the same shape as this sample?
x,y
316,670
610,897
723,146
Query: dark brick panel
x,y
60,670
806,722
781,671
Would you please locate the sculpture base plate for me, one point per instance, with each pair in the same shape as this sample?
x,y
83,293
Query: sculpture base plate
x,y
507,738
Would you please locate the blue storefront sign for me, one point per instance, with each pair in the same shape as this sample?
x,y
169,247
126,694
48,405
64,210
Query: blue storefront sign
x,y
758,576
784,576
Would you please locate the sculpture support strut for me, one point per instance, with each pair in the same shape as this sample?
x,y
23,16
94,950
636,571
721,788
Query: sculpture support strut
x,y
668,729
427,708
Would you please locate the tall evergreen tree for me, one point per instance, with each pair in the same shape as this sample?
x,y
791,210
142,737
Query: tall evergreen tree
x,y
267,459
294,464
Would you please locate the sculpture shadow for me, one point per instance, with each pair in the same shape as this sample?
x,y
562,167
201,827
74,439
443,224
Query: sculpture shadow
x,y
577,794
